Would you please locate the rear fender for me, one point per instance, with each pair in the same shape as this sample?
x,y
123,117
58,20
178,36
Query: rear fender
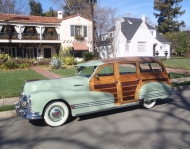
x,y
154,90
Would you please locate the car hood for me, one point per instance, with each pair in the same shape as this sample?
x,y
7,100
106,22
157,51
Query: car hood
x,y
71,83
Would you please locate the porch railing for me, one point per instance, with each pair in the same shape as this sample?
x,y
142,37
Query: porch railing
x,y
31,36
48,36
8,35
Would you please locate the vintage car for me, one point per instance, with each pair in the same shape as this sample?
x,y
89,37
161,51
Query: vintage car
x,y
99,85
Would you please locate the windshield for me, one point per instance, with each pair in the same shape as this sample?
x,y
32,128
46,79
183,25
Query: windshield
x,y
86,71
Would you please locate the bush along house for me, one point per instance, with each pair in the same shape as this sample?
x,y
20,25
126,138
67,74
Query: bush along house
x,y
41,37
133,37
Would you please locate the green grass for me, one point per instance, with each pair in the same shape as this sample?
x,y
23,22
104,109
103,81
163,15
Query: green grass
x,y
7,108
181,83
66,72
11,82
177,63
174,75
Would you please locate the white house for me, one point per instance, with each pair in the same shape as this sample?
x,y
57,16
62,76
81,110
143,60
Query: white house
x,y
134,37
41,37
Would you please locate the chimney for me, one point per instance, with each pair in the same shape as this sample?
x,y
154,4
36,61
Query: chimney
x,y
143,18
60,15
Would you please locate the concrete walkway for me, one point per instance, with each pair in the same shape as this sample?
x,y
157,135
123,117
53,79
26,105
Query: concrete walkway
x,y
178,70
50,75
45,73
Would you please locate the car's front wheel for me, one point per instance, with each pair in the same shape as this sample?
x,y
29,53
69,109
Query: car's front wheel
x,y
149,104
56,114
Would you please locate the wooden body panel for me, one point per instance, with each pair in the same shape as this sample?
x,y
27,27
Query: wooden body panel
x,y
125,87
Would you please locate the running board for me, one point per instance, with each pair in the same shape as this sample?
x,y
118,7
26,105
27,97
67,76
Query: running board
x,y
116,107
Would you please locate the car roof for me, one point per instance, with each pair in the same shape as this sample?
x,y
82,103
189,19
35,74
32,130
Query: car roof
x,y
119,59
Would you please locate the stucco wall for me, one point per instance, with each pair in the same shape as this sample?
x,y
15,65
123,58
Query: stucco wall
x,y
65,31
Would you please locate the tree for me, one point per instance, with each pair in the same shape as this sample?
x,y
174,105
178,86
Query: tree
x,y
50,13
14,6
169,11
180,42
35,8
101,22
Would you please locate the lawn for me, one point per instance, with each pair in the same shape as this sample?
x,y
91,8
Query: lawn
x,y
67,72
174,75
177,63
11,82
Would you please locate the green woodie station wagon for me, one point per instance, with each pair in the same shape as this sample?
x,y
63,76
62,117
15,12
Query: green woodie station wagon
x,y
99,85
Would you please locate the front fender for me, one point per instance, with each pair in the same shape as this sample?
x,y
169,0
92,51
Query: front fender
x,y
154,90
82,99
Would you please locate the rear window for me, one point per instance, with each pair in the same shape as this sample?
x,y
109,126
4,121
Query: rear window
x,y
150,67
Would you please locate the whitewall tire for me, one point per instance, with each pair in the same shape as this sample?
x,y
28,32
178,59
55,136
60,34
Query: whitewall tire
x,y
56,114
149,104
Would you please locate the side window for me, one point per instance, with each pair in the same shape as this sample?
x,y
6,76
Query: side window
x,y
106,70
150,67
127,69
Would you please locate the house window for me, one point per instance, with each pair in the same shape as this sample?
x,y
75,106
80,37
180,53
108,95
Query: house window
x,y
164,47
78,30
151,32
141,46
127,47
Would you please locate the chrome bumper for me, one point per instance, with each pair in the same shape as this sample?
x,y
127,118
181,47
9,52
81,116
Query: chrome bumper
x,y
24,113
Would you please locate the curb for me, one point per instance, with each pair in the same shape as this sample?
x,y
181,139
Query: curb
x,y
8,114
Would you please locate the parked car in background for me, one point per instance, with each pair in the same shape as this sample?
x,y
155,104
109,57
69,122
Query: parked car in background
x,y
99,85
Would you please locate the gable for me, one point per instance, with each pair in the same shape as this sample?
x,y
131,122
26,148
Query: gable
x,y
129,30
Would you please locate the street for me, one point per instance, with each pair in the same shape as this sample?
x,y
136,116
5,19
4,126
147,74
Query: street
x,y
166,126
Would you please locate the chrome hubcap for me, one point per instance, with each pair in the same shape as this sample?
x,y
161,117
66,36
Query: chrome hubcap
x,y
56,113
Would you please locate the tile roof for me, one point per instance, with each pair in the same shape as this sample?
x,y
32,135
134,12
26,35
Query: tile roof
x,y
32,19
24,18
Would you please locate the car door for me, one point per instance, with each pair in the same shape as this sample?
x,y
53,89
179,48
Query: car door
x,y
128,80
103,86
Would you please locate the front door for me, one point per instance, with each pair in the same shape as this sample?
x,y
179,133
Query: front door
x,y
128,79
47,52
29,53
104,84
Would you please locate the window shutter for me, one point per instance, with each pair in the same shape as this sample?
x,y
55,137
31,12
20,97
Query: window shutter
x,y
35,52
85,31
72,30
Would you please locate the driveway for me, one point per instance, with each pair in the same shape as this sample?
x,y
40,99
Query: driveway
x,y
166,126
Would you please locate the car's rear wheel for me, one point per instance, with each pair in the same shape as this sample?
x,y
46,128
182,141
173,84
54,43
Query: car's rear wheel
x,y
56,114
149,104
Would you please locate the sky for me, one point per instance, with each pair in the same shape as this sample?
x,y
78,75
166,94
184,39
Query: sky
x,y
135,7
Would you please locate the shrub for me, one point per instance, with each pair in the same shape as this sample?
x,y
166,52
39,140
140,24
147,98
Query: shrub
x,y
65,52
69,60
88,56
5,57
11,65
1,61
55,63
21,61
2,66
44,62
24,66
